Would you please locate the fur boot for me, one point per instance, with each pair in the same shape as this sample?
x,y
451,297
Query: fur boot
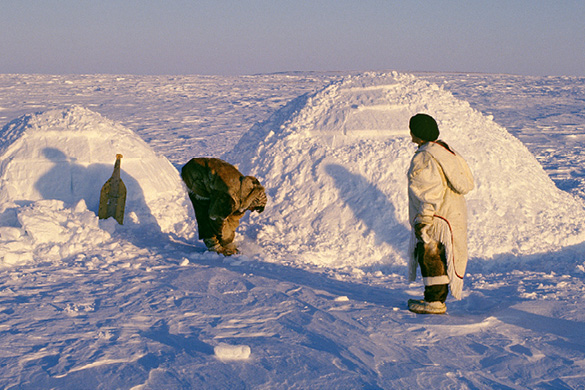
x,y
424,307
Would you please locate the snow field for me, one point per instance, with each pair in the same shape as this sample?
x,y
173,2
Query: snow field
x,y
107,306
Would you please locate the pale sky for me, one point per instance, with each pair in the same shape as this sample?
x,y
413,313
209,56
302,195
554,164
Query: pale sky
x,y
237,37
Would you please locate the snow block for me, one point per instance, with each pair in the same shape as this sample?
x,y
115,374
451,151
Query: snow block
x,y
226,352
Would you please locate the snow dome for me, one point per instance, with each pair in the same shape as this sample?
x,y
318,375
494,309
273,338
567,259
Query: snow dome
x,y
334,165
67,155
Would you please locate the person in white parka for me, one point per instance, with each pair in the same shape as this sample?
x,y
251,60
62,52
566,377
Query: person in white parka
x,y
438,179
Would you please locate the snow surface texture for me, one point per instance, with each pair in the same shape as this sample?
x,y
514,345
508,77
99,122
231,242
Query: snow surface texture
x,y
91,304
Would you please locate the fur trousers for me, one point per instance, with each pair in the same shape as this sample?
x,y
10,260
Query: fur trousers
x,y
215,231
432,261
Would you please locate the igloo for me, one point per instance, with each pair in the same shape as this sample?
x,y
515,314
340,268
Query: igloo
x,y
334,164
69,154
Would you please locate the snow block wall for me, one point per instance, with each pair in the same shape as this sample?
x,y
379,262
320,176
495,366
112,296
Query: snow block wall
x,y
334,165
67,155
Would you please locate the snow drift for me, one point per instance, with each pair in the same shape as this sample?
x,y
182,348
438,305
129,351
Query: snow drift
x,y
61,158
334,165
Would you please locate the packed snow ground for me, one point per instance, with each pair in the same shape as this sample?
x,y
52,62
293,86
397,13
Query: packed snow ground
x,y
89,303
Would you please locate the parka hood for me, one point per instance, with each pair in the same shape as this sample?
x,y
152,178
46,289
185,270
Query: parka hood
x,y
454,167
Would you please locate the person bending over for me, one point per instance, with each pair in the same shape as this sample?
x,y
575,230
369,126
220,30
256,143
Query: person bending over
x,y
220,195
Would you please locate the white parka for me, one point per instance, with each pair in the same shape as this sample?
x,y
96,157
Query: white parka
x,y
438,178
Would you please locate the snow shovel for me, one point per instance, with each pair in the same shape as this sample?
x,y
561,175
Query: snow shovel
x,y
113,196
